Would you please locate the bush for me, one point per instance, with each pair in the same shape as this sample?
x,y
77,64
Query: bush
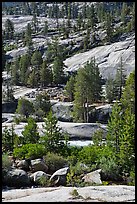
x,y
54,162
44,182
32,151
6,162
89,154
75,174
110,168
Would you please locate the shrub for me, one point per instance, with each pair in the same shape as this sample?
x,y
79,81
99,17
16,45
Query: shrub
x,y
110,168
6,162
43,181
89,154
75,174
54,162
32,151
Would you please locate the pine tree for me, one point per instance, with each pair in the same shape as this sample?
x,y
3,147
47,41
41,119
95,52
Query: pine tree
x,y
15,72
33,79
58,73
25,107
69,88
87,90
121,128
110,89
109,27
8,137
52,138
42,104
45,75
28,38
35,23
30,132
9,29
23,65
36,59
45,29
119,80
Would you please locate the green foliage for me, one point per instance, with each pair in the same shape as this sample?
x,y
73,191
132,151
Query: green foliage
x,y
54,161
87,90
9,29
53,138
6,162
23,65
36,59
27,38
28,151
89,154
42,105
121,127
110,168
97,137
45,74
25,107
69,88
8,137
58,73
30,132
44,181
128,96
75,174
110,90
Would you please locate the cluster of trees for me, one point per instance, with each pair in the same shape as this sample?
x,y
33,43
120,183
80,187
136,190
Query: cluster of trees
x,y
39,107
38,69
84,88
114,86
116,157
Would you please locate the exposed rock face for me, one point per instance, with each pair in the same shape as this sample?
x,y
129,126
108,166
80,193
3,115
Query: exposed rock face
x,y
63,110
9,107
35,177
59,177
100,114
38,165
82,130
93,177
23,164
107,57
119,193
17,178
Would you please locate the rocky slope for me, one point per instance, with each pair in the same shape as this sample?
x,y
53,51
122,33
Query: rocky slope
x,y
107,57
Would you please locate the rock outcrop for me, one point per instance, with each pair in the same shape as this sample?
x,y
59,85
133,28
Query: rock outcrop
x,y
107,57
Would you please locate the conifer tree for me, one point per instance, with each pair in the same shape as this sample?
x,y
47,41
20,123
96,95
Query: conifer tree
x,y
69,88
87,90
45,75
30,132
53,137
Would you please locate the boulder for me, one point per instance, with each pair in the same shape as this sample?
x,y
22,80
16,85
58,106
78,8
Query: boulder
x,y
38,165
59,177
17,178
24,164
35,177
93,177
63,111
100,114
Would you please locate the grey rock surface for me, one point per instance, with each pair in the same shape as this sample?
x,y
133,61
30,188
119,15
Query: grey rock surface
x,y
93,177
38,165
117,193
17,178
35,177
63,111
107,57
